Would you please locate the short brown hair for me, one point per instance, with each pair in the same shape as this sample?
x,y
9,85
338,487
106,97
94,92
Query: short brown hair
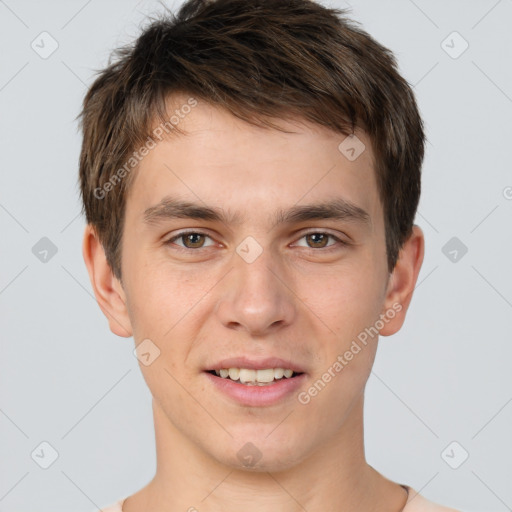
x,y
260,60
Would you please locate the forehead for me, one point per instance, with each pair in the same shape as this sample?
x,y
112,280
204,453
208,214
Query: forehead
x,y
228,163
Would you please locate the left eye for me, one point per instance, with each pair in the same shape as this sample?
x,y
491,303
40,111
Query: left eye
x,y
318,240
191,240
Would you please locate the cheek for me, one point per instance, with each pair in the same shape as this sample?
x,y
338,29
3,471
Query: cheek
x,y
348,299
163,298
350,308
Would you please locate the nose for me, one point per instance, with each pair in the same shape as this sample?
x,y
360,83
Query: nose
x,y
256,297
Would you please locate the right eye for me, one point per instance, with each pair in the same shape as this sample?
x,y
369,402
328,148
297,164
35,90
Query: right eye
x,y
190,239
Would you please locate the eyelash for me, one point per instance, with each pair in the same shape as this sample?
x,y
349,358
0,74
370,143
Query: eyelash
x,y
340,242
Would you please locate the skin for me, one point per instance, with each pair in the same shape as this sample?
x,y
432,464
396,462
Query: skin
x,y
301,300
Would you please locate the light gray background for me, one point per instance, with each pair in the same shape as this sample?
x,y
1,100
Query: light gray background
x,y
65,379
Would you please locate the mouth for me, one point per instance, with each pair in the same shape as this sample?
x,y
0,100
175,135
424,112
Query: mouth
x,y
256,382
253,377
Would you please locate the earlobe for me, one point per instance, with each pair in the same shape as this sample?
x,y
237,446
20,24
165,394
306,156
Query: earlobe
x,y
403,281
107,288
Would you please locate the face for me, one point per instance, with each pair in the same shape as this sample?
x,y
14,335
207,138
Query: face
x,y
258,251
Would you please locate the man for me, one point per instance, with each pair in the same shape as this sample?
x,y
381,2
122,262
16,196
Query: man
x,y
250,172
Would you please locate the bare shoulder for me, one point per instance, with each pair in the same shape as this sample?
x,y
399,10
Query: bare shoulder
x,y
115,507
418,503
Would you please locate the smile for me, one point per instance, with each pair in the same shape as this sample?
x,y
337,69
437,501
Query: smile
x,y
251,377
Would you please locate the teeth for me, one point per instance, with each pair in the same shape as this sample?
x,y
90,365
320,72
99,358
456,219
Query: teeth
x,y
247,375
265,375
254,377
278,373
234,373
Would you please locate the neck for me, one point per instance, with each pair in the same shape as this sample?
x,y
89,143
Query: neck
x,y
334,477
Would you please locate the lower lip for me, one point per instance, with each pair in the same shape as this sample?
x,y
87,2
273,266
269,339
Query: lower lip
x,y
258,396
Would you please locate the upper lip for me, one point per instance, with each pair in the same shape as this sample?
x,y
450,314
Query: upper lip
x,y
256,364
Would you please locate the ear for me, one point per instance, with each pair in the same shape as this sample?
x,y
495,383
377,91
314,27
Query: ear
x,y
402,282
107,288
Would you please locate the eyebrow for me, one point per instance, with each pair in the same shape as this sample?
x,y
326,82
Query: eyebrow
x,y
337,209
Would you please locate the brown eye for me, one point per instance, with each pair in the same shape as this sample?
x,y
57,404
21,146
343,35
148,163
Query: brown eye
x,y
317,240
190,240
193,240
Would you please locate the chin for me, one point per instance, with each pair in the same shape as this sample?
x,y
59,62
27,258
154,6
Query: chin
x,y
257,451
